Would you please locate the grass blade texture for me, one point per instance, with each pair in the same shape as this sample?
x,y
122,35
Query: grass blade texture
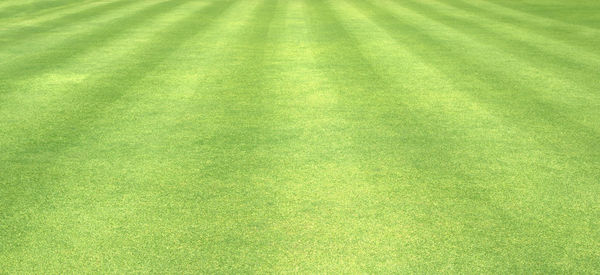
x,y
299,136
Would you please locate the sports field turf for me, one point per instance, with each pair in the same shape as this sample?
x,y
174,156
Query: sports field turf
x,y
300,136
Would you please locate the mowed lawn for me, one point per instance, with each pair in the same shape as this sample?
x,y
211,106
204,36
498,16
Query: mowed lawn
x,y
299,136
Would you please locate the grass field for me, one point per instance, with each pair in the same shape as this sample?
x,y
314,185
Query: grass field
x,y
300,136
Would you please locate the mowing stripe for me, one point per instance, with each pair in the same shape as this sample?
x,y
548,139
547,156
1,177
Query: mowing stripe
x,y
42,15
357,69
553,81
29,8
15,35
98,96
64,51
569,142
528,45
101,93
239,147
477,59
165,178
48,97
13,52
298,136
457,165
321,181
576,35
529,114
536,19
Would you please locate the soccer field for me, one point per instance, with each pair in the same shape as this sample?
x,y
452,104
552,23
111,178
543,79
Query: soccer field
x,y
299,136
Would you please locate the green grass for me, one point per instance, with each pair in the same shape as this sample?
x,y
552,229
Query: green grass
x,y
300,136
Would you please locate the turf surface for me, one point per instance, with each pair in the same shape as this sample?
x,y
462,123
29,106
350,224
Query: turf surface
x,y
346,136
